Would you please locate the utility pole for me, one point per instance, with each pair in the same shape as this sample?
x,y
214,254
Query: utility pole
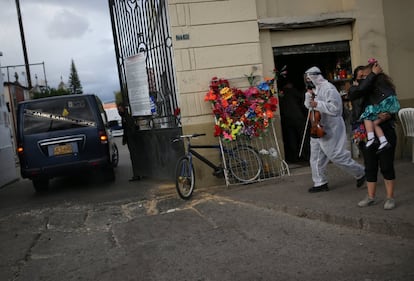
x,y
26,60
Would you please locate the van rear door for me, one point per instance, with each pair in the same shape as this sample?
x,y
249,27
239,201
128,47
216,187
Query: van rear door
x,y
60,134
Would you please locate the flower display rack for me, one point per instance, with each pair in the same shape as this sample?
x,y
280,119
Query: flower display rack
x,y
245,118
272,164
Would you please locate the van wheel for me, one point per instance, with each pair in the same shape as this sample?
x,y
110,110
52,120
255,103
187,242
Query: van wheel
x,y
41,185
115,155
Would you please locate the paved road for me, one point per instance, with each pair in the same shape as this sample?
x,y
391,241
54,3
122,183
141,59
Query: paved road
x,y
142,231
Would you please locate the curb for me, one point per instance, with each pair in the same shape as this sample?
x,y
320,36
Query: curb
x,y
379,226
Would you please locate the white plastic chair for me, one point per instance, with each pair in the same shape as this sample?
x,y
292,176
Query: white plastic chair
x,y
406,116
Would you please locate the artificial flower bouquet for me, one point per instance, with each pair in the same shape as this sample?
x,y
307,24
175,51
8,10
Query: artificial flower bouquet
x,y
239,112
359,134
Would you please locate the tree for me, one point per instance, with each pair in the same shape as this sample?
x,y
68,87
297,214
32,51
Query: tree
x,y
74,84
48,92
118,98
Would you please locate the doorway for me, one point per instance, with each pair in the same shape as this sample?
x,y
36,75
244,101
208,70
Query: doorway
x,y
332,59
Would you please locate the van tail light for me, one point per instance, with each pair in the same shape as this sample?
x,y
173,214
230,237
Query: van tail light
x,y
103,137
20,150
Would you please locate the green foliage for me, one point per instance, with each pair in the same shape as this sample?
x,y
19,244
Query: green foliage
x,y
118,98
50,92
251,78
74,84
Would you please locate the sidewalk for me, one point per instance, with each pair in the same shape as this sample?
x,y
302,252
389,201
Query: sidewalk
x,y
338,206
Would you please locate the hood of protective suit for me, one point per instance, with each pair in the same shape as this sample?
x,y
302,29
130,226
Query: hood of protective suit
x,y
315,75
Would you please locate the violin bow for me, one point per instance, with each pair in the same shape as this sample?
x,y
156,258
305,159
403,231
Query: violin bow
x,y
304,133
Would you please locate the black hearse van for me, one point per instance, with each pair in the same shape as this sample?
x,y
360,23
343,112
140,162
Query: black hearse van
x,y
63,136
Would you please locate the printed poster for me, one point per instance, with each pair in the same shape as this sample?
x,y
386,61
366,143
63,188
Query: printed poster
x,y
138,89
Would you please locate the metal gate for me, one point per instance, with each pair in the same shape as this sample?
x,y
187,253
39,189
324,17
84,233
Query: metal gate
x,y
142,27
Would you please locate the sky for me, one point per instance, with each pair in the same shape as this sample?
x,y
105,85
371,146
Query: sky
x,y
57,31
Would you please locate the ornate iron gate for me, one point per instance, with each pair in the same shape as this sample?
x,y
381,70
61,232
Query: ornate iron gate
x,y
142,27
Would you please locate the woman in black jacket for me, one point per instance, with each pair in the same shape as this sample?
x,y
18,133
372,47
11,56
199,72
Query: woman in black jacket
x,y
382,98
366,90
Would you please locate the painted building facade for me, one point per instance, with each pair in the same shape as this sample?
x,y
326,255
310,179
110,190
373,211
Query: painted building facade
x,y
8,170
233,38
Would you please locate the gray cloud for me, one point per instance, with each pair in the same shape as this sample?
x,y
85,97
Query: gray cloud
x,y
98,5
67,25
47,25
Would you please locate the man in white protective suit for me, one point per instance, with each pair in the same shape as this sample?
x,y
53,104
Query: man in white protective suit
x,y
322,96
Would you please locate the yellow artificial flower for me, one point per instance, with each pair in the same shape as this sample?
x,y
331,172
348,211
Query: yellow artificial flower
x,y
226,93
235,130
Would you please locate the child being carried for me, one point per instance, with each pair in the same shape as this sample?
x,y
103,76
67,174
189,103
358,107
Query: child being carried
x,y
387,103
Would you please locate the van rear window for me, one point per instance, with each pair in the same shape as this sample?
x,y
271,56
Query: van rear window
x,y
57,114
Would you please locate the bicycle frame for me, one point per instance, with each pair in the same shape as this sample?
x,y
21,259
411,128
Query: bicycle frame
x,y
190,151
243,163
201,157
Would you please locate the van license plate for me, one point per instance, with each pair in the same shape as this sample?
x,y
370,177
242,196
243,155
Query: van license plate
x,y
62,149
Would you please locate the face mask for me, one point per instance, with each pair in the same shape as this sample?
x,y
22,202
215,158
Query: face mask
x,y
310,85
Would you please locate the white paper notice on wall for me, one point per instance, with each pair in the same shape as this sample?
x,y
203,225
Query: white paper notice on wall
x,y
137,81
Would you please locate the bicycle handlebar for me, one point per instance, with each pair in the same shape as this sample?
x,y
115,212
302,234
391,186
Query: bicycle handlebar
x,y
192,136
178,138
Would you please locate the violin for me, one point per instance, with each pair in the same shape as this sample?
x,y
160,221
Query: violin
x,y
316,130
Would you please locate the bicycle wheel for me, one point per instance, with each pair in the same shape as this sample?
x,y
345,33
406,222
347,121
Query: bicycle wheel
x,y
184,177
244,164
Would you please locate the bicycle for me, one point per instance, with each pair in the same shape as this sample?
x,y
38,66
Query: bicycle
x,y
243,163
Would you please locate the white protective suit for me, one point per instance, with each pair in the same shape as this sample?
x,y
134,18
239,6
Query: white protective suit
x,y
330,147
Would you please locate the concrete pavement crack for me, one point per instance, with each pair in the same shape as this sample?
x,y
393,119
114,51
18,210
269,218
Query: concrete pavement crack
x,y
21,263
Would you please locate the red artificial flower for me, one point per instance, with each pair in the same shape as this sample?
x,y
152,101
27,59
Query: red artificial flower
x,y
237,92
210,96
269,114
254,107
217,111
217,130
252,91
224,103
240,111
271,104
273,100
